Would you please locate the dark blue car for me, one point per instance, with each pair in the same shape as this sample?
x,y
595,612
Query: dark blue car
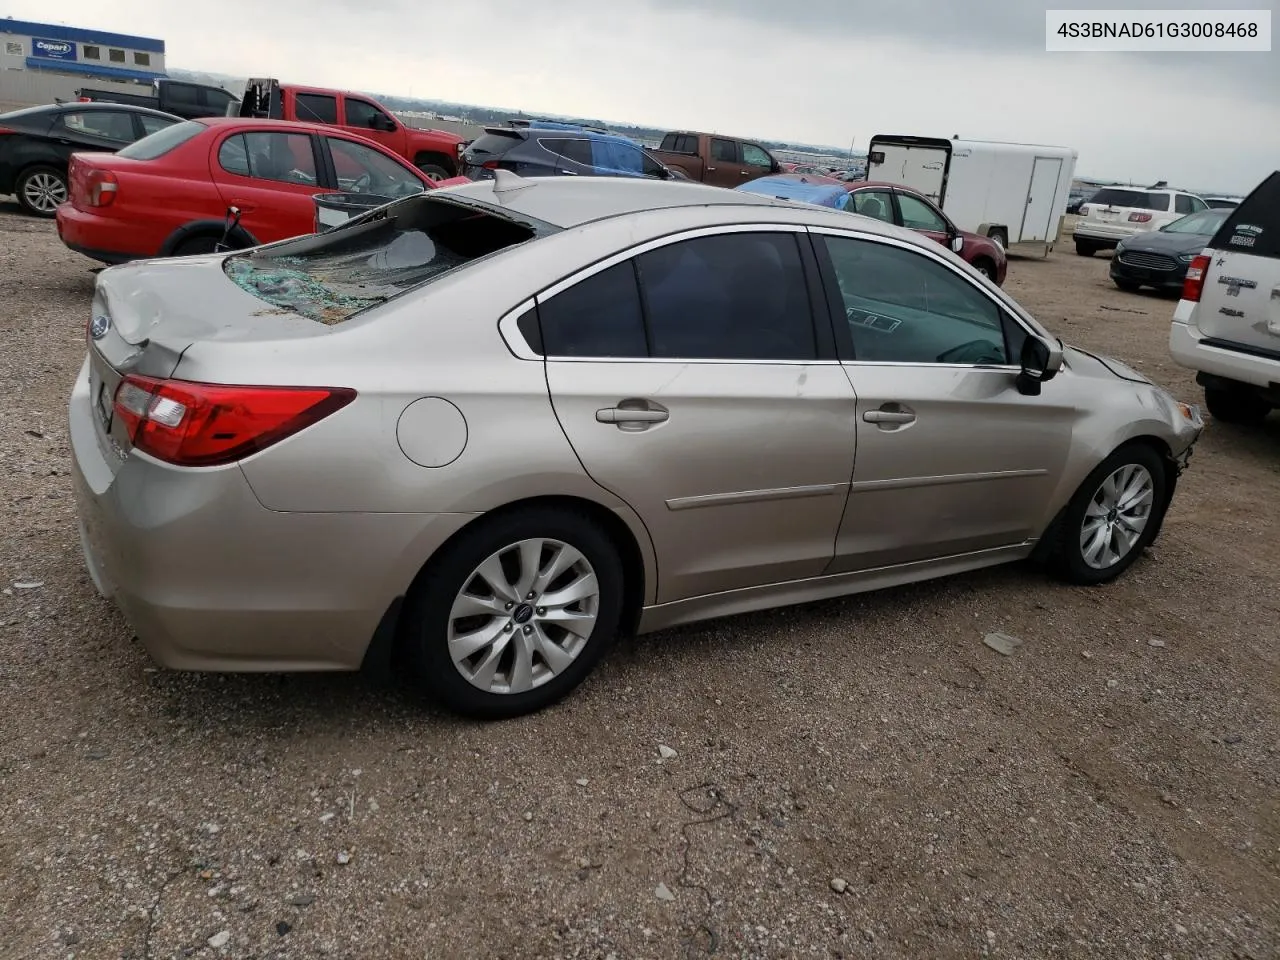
x,y
544,148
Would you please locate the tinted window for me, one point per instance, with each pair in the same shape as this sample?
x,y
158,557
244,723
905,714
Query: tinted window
x,y
598,317
218,98
737,297
106,124
1142,199
283,157
688,144
577,151
918,215
1182,204
489,145
1254,226
158,144
874,203
181,94
725,150
903,307
361,113
362,169
152,124
316,108
669,142
755,157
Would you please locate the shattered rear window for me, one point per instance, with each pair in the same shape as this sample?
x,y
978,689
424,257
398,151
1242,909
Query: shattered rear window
x,y
332,276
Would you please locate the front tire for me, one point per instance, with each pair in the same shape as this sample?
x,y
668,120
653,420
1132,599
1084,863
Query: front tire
x,y
41,190
513,615
1236,405
1113,517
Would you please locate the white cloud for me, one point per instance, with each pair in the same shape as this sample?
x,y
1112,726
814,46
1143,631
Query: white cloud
x,y
805,75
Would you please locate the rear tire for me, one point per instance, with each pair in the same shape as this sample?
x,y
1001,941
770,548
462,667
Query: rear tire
x,y
1085,249
40,190
434,172
472,589
1113,516
1236,405
194,246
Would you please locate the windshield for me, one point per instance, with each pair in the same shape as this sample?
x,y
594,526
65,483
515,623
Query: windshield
x,y
332,276
162,141
1206,222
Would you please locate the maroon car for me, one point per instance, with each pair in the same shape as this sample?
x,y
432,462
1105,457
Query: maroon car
x,y
893,203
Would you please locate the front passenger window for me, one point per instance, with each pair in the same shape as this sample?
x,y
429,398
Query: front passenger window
x,y
904,307
876,204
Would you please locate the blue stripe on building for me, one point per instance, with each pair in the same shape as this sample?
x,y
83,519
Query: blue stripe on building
x,y
91,68
52,31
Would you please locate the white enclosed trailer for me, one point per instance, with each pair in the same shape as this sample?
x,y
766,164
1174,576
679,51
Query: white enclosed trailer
x,y
1015,193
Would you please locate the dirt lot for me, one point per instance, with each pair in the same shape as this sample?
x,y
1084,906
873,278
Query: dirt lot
x,y
1111,790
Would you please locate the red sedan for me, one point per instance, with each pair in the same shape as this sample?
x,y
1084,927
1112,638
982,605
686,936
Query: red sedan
x,y
168,194
894,203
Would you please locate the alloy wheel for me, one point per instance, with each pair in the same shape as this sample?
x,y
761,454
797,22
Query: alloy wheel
x,y
523,616
1117,515
44,192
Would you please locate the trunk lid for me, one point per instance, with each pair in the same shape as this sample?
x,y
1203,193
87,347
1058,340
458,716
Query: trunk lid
x,y
147,313
1240,301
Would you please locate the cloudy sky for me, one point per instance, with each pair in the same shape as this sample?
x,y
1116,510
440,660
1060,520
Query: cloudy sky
x,y
818,71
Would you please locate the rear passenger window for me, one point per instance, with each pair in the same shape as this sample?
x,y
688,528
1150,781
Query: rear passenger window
x,y
284,157
738,296
316,108
724,150
1182,204
597,317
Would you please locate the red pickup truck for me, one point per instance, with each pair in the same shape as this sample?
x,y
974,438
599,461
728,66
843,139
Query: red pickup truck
x,y
435,152
717,160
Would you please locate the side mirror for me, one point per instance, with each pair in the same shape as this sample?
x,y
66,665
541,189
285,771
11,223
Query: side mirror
x,y
957,243
1040,363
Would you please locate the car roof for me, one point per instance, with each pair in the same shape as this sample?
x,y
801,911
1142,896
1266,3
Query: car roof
x,y
569,202
267,123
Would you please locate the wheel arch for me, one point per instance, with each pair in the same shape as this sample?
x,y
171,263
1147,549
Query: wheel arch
x,y
203,228
627,533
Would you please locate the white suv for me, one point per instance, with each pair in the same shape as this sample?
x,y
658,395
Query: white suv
x,y
1115,213
1227,325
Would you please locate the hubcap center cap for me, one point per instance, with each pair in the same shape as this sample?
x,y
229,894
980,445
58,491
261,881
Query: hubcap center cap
x,y
523,613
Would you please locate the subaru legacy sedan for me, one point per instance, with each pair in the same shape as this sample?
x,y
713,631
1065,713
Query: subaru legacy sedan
x,y
488,428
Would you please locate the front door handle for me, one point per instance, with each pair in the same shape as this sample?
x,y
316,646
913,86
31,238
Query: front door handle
x,y
630,415
889,416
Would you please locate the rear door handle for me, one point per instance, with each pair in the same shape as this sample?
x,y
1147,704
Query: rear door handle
x,y
630,415
889,416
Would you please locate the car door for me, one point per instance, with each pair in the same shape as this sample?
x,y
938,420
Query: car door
x,y
921,216
272,177
951,458
696,381
724,166
370,121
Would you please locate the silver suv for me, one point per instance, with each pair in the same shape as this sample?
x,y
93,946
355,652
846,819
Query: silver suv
x,y
1227,325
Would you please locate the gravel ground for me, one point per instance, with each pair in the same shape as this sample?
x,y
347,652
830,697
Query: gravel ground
x,y
855,778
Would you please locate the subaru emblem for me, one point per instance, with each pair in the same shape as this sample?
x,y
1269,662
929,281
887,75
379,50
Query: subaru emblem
x,y
99,326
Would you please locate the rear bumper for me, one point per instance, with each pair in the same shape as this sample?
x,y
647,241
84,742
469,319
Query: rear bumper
x,y
1103,233
209,579
1170,280
95,237
1186,344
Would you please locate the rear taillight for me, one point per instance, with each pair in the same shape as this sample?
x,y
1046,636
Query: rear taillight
x,y
1193,285
1084,210
7,130
490,165
85,99
1139,217
207,424
102,187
